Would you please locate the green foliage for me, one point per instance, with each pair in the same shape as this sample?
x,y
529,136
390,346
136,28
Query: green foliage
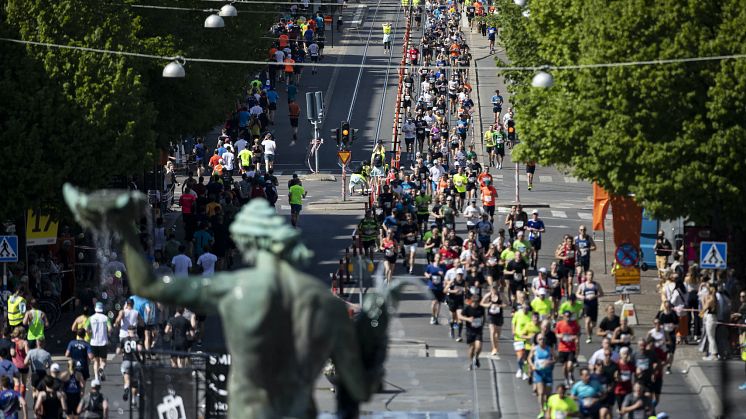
x,y
672,134
83,117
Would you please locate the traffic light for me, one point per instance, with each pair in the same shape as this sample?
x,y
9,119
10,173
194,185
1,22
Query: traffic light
x,y
335,134
345,133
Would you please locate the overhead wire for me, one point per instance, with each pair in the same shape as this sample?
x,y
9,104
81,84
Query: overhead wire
x,y
383,66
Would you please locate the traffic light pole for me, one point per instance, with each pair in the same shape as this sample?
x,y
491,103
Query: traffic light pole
x,y
317,145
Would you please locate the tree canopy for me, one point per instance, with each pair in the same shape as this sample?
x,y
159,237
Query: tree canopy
x,y
673,135
83,117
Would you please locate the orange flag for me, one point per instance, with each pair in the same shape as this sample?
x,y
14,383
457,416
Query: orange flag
x,y
601,202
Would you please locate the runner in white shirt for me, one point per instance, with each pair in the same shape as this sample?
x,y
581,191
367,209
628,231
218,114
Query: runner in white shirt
x,y
270,148
207,261
181,262
99,327
229,160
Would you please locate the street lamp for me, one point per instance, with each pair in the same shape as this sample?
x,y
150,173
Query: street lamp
x,y
229,10
175,69
542,79
214,21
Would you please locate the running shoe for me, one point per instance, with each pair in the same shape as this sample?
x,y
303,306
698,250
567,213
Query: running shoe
x,y
518,374
126,394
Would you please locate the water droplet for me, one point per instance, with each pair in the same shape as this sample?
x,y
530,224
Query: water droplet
x,y
374,323
166,279
118,306
238,292
111,314
104,295
120,411
221,377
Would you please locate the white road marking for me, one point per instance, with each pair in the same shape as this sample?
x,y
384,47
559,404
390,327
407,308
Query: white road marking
x,y
559,214
550,226
545,179
445,353
109,357
585,215
498,177
570,179
582,358
522,178
284,207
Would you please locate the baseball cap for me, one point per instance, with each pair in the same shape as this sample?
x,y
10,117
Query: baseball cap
x,y
459,271
520,233
543,270
535,212
542,291
55,367
95,383
99,307
567,312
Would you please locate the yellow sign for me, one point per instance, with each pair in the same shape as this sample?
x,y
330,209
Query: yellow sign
x,y
344,156
41,228
627,276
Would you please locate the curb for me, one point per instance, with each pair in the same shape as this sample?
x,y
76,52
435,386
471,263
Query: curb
x,y
319,177
524,205
698,381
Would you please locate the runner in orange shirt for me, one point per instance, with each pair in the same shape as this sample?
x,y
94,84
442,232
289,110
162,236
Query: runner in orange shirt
x,y
289,62
489,198
283,41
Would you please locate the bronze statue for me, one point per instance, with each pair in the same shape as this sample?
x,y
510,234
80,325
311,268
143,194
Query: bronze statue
x,y
281,325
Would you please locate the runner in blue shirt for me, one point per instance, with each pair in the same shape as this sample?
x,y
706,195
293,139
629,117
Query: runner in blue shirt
x,y
497,105
434,274
535,227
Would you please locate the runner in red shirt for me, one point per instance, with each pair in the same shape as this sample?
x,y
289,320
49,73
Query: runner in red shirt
x,y
187,202
568,333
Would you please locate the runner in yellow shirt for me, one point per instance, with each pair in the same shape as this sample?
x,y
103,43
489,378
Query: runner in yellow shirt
x,y
560,405
459,182
244,156
296,193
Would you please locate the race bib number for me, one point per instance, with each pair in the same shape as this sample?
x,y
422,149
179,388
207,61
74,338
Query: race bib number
x,y
389,252
587,402
559,415
668,327
519,224
541,364
625,337
436,279
643,364
477,322
568,338
625,375
488,198
494,309
519,345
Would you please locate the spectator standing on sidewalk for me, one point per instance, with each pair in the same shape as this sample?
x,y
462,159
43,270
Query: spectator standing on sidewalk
x,y
663,250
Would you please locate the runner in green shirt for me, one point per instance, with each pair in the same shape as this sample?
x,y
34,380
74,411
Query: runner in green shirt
x,y
572,305
368,230
296,193
422,202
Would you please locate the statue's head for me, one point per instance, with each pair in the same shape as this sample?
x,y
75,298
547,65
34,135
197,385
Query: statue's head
x,y
258,227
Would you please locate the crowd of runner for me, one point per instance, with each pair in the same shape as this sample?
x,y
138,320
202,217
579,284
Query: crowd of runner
x,y
490,272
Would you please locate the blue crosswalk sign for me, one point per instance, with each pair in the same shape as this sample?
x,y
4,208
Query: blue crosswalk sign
x,y
8,248
713,255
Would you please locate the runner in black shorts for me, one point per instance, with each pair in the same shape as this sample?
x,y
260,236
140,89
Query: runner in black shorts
x,y
454,290
473,316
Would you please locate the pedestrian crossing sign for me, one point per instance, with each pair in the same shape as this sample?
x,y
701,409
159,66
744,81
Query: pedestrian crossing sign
x,y
713,255
8,248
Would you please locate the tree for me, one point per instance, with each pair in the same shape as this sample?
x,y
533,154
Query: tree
x,y
672,135
84,117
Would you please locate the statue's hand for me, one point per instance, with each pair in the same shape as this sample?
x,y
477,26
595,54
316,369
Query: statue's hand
x,y
111,208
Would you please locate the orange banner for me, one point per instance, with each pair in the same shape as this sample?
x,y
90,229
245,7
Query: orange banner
x,y
600,206
627,220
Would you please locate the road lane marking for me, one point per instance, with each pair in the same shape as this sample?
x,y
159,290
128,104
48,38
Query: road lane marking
x,y
445,353
559,214
585,215
545,179
570,179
